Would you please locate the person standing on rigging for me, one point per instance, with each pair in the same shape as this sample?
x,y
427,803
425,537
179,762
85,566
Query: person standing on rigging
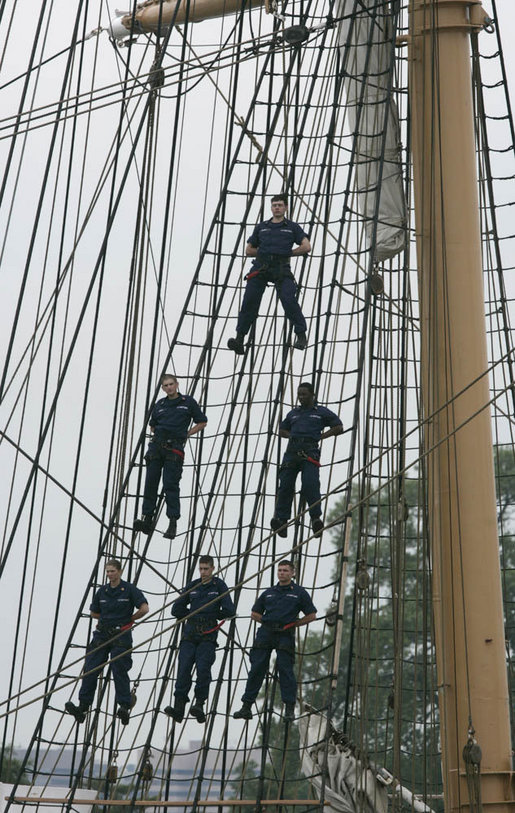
x,y
113,605
277,610
271,244
209,600
169,422
303,426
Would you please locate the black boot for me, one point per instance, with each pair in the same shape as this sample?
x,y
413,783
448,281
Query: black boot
x,y
145,524
123,714
176,712
318,526
171,530
289,712
245,713
236,345
197,711
276,524
301,341
79,712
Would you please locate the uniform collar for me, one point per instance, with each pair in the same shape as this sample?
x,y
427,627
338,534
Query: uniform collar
x,y
281,222
120,584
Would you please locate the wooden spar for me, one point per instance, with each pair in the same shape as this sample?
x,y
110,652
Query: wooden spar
x,y
152,15
166,803
468,612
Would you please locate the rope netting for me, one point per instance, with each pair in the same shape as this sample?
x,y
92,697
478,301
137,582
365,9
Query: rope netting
x,y
127,199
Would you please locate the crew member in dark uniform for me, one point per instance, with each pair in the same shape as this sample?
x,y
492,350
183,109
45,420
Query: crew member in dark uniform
x,y
207,598
277,610
169,424
303,427
113,605
271,243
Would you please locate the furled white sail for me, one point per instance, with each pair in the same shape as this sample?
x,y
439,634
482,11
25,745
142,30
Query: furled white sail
x,y
365,46
350,785
152,16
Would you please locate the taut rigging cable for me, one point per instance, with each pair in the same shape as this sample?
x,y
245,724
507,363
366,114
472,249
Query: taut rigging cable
x,y
246,403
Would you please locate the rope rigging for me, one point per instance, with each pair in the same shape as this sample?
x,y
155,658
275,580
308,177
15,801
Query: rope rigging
x,y
121,291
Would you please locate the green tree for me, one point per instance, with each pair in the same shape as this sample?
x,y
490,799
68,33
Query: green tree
x,y
385,699
504,461
11,767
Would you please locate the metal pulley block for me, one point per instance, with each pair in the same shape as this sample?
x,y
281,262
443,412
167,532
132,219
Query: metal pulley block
x,y
295,34
112,773
376,283
147,771
112,769
362,576
332,615
402,510
156,77
472,753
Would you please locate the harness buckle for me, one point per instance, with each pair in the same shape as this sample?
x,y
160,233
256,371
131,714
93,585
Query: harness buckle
x,y
304,456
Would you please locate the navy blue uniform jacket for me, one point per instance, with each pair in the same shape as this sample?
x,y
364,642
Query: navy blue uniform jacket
x,y
196,595
171,417
281,605
309,422
276,238
116,604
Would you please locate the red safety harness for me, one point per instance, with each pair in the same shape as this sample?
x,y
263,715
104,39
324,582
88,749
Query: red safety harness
x,y
305,456
214,629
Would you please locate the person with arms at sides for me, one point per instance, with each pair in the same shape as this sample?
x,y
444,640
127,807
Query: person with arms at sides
x,y
116,606
271,246
208,600
277,610
304,427
170,428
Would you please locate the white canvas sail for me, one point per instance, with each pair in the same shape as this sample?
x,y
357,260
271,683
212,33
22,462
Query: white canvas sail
x,y
350,784
365,51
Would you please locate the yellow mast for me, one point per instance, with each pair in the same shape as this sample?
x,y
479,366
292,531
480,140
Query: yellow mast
x,y
468,614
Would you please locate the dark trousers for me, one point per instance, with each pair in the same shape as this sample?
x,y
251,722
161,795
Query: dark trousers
x,y
119,668
286,291
284,645
160,459
291,465
198,652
